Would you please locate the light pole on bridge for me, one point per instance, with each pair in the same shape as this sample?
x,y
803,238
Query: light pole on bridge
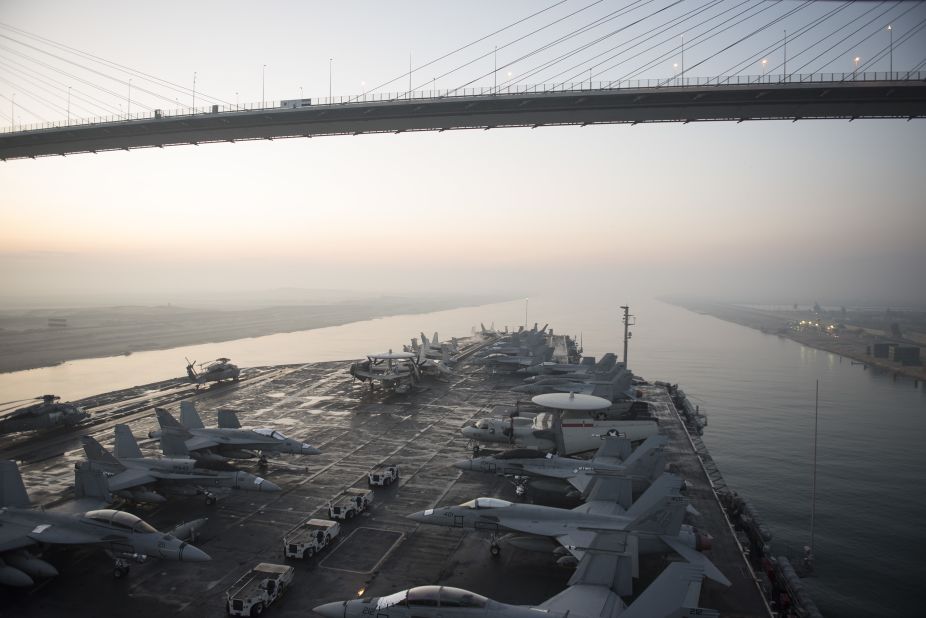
x,y
263,83
194,92
856,60
128,112
69,105
890,30
13,111
330,61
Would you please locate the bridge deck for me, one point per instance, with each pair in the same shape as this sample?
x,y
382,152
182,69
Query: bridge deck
x,y
904,98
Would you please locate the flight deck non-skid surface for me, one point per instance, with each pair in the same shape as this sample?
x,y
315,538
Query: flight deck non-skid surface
x,y
377,552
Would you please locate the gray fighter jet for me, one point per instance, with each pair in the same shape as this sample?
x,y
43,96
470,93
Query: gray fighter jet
x,y
216,371
24,529
45,415
652,524
604,365
132,476
674,592
617,384
548,472
227,441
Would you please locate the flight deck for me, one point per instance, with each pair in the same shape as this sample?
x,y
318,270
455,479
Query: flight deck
x,y
378,552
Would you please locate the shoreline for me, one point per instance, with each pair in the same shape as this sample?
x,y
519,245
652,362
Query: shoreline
x,y
851,346
122,331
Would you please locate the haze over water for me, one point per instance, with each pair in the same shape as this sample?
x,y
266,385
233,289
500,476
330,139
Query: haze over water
x,y
758,392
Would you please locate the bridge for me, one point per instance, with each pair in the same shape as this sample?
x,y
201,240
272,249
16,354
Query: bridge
x,y
740,98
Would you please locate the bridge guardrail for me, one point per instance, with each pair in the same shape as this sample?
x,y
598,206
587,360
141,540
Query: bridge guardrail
x,y
587,86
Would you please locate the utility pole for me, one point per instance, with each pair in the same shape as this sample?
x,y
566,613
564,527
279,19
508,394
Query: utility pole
x,y
627,334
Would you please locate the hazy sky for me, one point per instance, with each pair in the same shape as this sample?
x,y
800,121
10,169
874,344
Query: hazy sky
x,y
774,210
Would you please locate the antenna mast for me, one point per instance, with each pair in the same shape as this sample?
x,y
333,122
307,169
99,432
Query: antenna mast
x,y
627,334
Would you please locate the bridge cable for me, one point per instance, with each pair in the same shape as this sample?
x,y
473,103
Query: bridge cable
x,y
538,50
665,25
52,90
118,95
459,49
12,64
510,43
884,51
153,78
698,39
753,33
856,31
29,93
738,67
22,107
91,70
671,37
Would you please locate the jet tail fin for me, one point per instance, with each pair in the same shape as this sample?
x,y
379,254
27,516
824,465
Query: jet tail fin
x,y
613,448
126,444
648,458
661,508
673,594
424,341
228,419
12,489
189,418
96,453
89,482
168,423
173,444
610,490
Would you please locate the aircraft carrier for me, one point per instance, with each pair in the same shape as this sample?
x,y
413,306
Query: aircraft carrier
x,y
377,553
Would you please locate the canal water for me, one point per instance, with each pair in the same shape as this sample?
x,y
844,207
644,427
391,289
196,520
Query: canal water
x,y
758,393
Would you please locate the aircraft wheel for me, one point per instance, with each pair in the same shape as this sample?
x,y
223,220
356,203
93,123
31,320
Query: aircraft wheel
x,y
210,500
495,550
257,610
307,555
327,539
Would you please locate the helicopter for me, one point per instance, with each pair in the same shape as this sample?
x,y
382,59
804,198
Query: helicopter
x,y
216,371
42,416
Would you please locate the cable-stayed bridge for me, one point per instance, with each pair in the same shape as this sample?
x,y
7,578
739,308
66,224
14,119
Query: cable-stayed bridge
x,y
826,96
594,60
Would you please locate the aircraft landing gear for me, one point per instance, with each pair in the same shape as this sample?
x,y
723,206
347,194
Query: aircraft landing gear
x,y
495,549
475,450
520,485
210,498
120,568
262,461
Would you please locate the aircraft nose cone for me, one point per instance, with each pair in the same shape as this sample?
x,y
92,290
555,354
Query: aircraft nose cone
x,y
464,464
422,516
469,431
265,485
338,609
308,449
522,389
188,553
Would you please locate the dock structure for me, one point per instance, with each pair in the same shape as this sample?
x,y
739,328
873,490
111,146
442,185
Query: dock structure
x,y
378,552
